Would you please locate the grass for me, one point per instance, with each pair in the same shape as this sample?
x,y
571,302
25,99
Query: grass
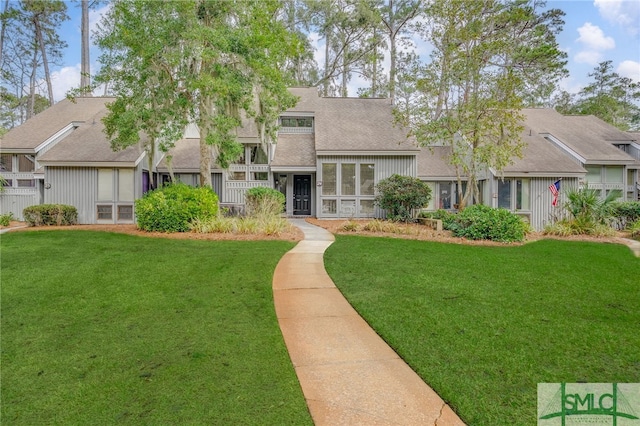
x,y
483,325
102,328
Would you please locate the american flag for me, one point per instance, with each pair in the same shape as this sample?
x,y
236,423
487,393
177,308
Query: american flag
x,y
555,190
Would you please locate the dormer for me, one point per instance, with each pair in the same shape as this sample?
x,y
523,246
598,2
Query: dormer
x,y
296,122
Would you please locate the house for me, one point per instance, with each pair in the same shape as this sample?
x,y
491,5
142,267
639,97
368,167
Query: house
x,y
329,155
577,150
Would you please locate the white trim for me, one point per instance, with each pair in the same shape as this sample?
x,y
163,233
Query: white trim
x,y
59,135
116,164
294,114
293,169
366,153
564,147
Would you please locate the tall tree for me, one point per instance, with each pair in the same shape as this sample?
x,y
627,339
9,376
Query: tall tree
x,y
396,16
609,97
198,61
46,16
85,69
471,94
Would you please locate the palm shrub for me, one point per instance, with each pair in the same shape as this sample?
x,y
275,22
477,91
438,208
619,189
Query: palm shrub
x,y
480,222
173,207
400,195
586,205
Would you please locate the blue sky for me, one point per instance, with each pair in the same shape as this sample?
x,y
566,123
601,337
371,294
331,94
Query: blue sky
x,y
594,31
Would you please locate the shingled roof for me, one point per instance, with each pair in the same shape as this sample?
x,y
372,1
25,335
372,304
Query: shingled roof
x,y
587,136
50,121
88,144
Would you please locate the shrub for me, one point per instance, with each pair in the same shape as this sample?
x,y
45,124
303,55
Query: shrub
x,y
400,195
635,229
480,222
350,226
626,213
50,214
262,201
5,219
172,208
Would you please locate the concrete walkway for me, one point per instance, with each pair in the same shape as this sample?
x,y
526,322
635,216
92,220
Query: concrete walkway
x,y
348,374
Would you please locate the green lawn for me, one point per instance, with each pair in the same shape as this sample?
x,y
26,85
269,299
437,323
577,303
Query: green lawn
x,y
102,328
484,325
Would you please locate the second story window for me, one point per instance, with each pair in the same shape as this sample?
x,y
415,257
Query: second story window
x,y
290,124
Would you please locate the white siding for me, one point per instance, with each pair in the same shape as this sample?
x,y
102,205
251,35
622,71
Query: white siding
x,y
16,203
74,186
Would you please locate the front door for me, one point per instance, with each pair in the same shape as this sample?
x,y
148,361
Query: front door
x,y
302,195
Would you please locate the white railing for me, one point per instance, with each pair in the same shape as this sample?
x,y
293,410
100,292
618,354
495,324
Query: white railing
x,y
295,130
243,184
249,168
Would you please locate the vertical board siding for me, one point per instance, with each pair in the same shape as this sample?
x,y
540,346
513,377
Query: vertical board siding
x,y
542,212
74,186
15,204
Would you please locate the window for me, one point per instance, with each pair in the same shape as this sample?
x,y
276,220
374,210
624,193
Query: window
x,y
504,194
125,185
7,183
522,194
26,163
296,121
507,188
366,179
105,184
105,212
239,176
26,183
347,207
329,179
258,156
6,162
260,176
614,174
348,171
329,206
125,212
444,196
593,174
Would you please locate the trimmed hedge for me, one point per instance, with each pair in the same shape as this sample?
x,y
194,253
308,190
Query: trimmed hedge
x,y
480,222
263,201
173,207
50,214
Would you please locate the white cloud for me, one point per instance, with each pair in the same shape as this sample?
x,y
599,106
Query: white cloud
x,y
625,13
590,57
63,80
630,69
594,42
592,37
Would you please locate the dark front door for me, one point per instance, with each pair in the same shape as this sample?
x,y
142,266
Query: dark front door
x,y
302,195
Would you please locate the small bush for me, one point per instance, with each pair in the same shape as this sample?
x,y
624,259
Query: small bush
x,y
560,229
635,229
262,201
172,208
350,226
5,219
268,225
50,214
480,222
400,195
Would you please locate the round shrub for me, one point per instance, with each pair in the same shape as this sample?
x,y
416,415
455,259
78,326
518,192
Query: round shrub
x,y
480,222
172,208
50,214
400,195
263,201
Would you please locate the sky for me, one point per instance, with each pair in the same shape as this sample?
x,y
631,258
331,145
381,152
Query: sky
x,y
594,31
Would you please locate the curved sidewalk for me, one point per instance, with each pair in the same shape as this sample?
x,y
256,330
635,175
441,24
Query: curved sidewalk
x,y
348,374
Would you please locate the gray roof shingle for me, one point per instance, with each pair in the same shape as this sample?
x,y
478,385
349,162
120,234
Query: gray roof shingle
x,y
42,126
295,150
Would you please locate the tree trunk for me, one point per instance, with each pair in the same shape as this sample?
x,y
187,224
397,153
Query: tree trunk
x,y
43,51
85,79
205,148
31,103
3,29
327,50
